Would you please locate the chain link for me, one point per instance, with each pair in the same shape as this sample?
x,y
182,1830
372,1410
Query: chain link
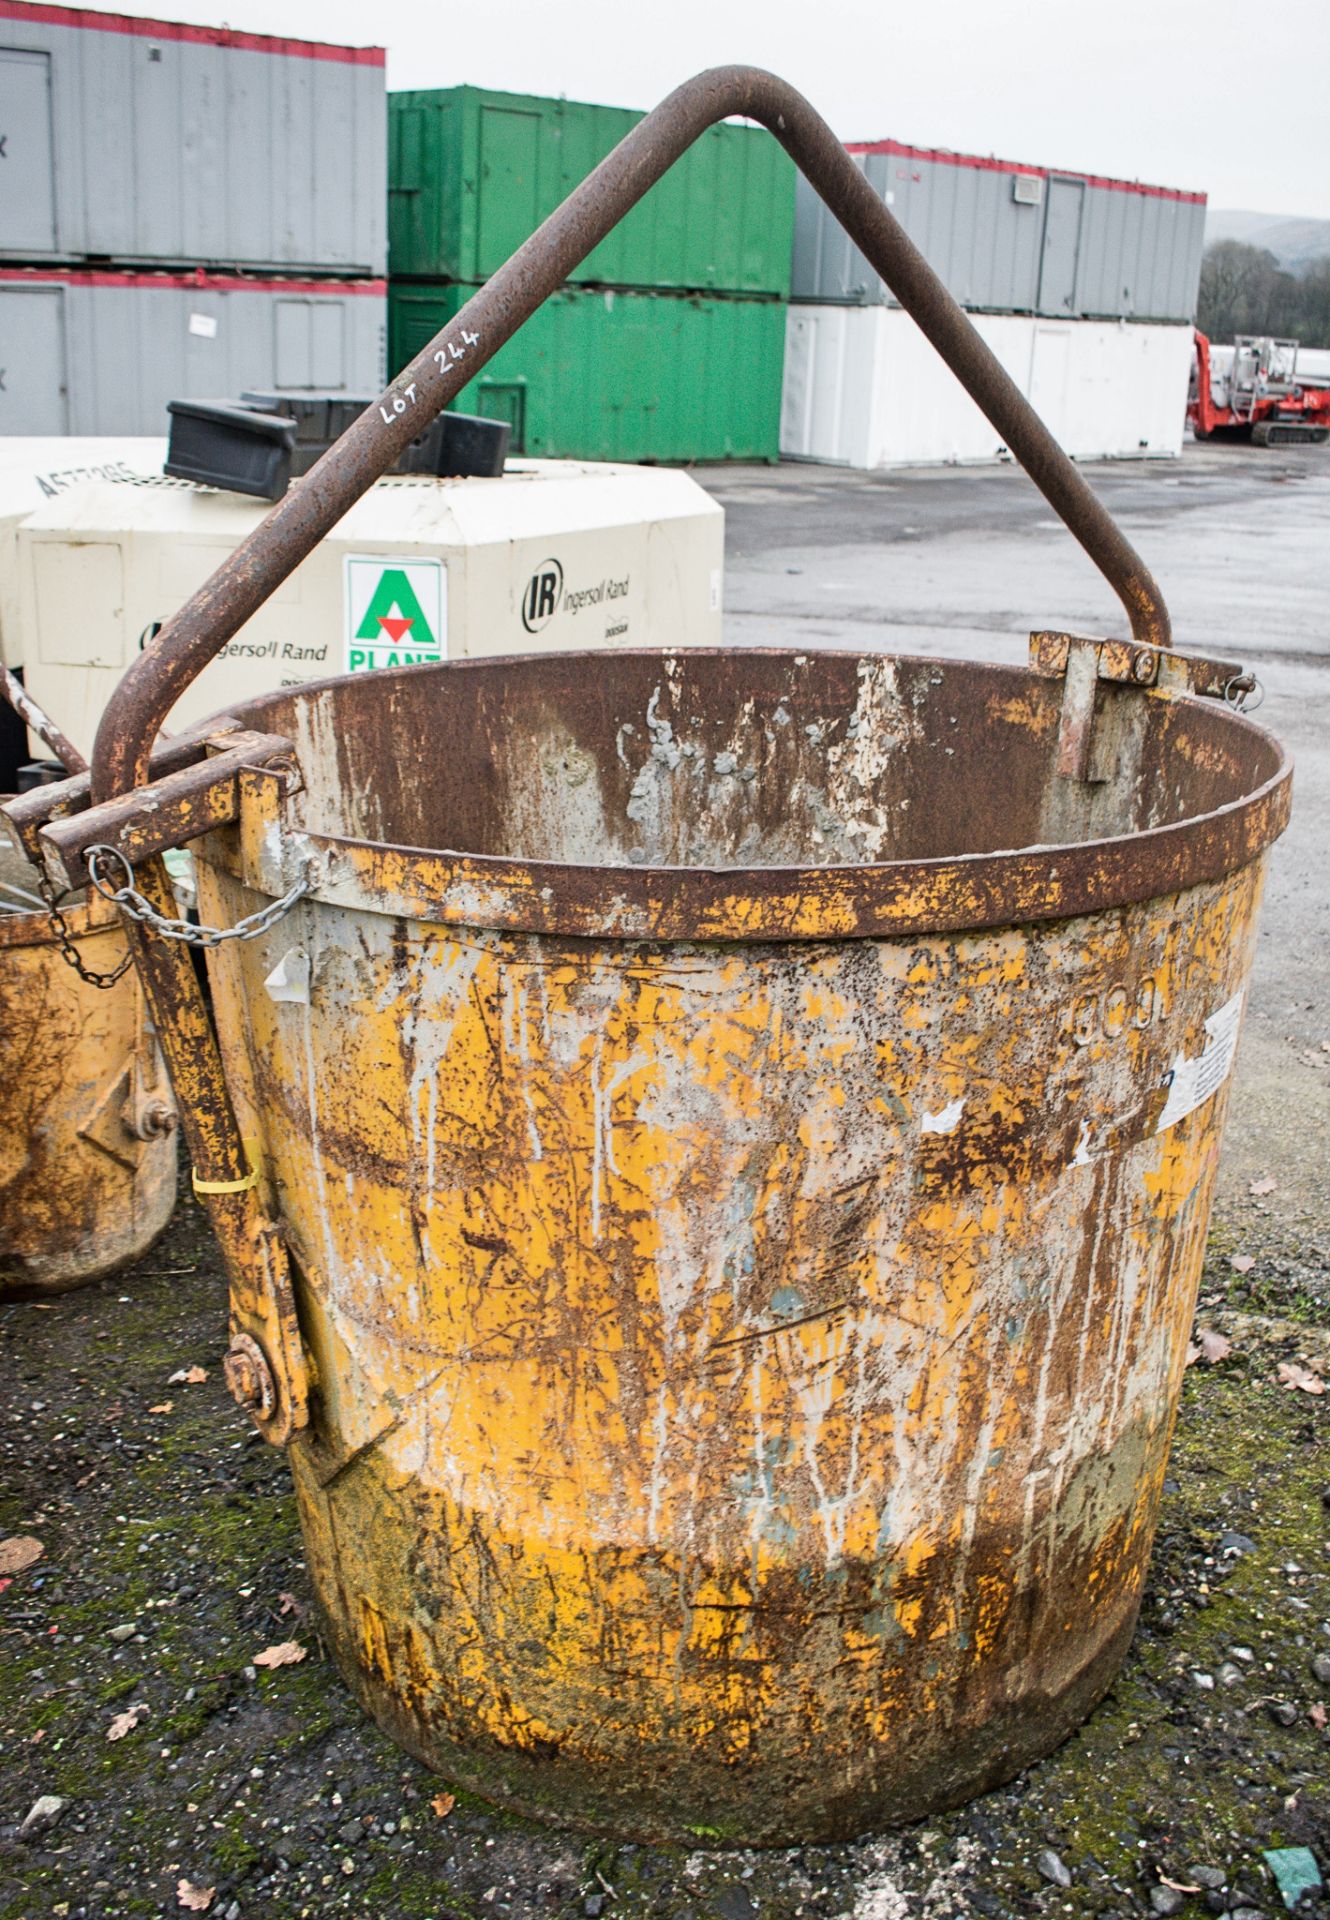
x,y
69,952
1245,692
131,901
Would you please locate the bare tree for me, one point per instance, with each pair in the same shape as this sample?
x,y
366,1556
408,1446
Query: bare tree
x,y
1244,290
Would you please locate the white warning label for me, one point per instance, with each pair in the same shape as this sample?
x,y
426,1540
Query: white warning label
x,y
1192,1082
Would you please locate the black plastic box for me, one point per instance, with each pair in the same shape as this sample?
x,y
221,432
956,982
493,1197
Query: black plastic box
x,y
320,418
219,443
460,446
453,446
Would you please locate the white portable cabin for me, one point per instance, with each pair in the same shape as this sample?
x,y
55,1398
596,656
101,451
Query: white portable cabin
x,y
863,388
1083,286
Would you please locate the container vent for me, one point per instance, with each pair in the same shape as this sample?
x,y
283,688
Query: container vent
x,y
1027,189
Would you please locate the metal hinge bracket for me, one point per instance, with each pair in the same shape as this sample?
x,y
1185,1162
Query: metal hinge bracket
x,y
1086,750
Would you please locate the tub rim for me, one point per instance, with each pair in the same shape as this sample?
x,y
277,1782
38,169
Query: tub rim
x,y
953,893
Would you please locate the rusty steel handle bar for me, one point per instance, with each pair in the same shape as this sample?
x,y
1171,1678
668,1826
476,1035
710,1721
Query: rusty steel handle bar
x,y
41,723
373,442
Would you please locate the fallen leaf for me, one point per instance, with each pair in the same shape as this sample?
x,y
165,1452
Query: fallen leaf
x,y
1214,1347
1317,1715
1293,1375
289,1653
1178,1886
188,1377
443,1804
1242,1262
125,1722
287,1603
19,1551
165,1407
194,1899
1267,1185
1193,1354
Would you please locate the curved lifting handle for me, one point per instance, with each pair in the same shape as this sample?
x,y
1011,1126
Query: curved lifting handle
x,y
372,443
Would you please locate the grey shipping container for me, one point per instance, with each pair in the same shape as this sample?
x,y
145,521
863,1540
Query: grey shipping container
x,y
101,353
1007,238
146,141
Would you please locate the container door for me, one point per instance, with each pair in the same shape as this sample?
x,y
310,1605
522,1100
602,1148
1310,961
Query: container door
x,y
1062,246
812,396
1049,362
507,213
32,360
27,195
504,400
309,349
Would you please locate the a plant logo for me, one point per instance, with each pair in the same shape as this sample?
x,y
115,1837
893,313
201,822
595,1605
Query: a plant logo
x,y
544,590
396,612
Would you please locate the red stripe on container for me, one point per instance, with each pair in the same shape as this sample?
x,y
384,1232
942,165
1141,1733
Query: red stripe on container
x,y
196,36
985,163
198,281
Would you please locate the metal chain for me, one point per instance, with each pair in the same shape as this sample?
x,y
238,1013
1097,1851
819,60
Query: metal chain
x,y
132,902
69,952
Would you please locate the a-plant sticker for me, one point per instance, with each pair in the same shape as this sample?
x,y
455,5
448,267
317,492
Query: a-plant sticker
x,y
396,612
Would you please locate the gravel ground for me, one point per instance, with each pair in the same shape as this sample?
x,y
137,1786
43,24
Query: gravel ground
x,y
171,1558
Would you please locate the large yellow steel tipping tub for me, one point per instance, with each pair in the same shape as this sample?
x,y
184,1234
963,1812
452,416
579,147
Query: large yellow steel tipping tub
x,y
712,1150
87,1156
748,1302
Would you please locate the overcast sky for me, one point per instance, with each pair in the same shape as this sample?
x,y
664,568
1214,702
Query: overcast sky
x,y
1222,97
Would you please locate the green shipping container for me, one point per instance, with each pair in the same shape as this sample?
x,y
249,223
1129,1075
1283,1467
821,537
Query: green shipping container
x,y
472,174
598,375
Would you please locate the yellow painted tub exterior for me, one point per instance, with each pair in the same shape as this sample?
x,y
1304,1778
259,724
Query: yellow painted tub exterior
x,y
85,1186
743,1369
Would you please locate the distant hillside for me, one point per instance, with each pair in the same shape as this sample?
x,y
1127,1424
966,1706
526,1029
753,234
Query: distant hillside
x,y
1293,240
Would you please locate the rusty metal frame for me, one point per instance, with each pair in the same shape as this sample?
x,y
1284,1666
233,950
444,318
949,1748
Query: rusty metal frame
x,y
267,1366
372,443
40,722
1081,661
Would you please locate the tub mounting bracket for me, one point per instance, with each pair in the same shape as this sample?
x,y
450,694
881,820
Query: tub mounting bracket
x,y
1088,731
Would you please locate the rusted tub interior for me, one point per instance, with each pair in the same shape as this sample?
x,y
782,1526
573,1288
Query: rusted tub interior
x,y
743,758
17,880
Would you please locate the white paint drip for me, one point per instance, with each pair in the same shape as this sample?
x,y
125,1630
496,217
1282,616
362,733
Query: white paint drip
x,y
435,988
316,1145
597,1137
659,1452
603,1090
516,1039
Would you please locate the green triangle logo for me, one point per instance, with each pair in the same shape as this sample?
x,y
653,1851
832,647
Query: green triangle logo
x,y
394,612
